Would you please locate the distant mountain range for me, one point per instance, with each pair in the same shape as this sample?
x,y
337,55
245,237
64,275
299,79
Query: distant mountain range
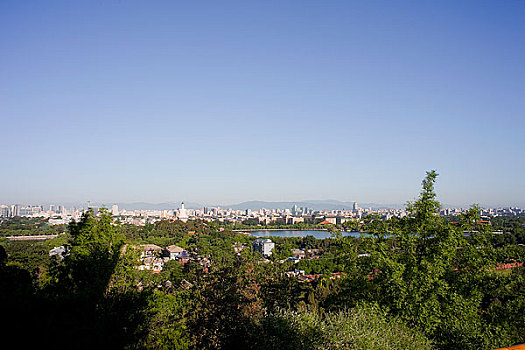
x,y
253,205
155,206
312,204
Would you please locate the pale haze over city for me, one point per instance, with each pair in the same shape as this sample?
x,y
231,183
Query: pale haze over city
x,y
225,102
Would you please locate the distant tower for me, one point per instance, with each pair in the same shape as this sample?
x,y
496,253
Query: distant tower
x,y
114,209
183,213
356,207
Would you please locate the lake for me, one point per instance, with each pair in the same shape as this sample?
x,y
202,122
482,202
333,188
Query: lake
x,y
299,233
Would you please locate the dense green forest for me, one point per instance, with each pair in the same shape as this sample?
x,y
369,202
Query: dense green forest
x,y
418,282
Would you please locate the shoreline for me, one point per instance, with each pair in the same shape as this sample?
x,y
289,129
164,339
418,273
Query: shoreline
x,y
280,229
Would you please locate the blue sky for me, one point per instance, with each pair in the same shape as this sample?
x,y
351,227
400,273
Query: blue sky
x,y
221,102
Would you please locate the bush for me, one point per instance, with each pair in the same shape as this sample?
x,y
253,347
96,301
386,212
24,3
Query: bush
x,y
364,327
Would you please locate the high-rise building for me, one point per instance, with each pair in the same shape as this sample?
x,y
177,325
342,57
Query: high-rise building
x,y
15,210
356,207
114,209
25,211
4,211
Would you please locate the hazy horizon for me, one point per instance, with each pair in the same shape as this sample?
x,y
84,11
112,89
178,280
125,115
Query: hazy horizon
x,y
174,204
233,101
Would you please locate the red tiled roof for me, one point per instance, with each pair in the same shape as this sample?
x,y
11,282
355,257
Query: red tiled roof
x,y
515,347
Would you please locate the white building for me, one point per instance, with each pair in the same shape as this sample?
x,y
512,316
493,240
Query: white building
x,y
265,246
4,211
173,251
15,210
59,252
183,213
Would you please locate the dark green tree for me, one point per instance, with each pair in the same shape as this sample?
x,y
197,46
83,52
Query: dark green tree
x,y
95,251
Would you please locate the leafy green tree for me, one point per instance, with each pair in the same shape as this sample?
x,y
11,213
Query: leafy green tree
x,y
309,242
95,252
228,303
427,272
173,271
165,327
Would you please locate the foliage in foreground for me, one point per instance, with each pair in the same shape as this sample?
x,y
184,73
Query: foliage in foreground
x,y
410,282
364,327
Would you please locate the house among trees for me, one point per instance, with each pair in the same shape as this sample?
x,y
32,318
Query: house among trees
x,y
295,273
59,252
184,257
148,250
264,245
298,253
173,251
150,258
314,253
155,264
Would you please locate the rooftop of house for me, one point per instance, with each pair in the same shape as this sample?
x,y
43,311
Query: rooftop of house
x,y
325,223
263,240
184,255
142,247
174,249
145,247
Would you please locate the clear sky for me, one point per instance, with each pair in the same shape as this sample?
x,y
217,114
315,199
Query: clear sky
x,y
226,101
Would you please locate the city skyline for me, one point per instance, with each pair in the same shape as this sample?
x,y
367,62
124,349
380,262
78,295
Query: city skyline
x,y
313,204
224,103
285,214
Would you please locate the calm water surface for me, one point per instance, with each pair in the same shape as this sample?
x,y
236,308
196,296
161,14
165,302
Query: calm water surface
x,y
296,233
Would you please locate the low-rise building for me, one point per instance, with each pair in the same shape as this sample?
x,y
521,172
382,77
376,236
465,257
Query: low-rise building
x,y
184,257
291,220
154,264
264,245
295,273
60,252
173,251
148,250
298,253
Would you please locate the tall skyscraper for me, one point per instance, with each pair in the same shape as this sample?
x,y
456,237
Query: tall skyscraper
x,y
15,210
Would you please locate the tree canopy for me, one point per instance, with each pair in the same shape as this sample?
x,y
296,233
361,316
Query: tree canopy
x,y
417,282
